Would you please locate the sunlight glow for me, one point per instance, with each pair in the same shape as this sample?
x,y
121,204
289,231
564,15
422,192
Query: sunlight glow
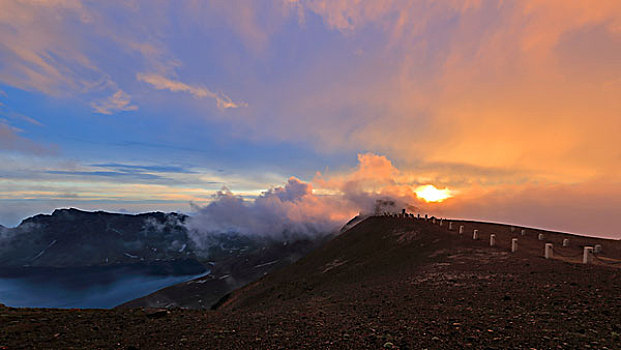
x,y
429,193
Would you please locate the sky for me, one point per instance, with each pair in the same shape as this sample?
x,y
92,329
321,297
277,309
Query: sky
x,y
513,108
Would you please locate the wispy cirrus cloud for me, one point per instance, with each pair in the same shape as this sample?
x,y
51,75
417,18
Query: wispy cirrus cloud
x,y
40,53
134,174
149,168
11,141
160,82
11,114
137,172
120,101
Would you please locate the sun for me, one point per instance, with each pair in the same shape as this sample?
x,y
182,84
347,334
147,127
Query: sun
x,y
429,193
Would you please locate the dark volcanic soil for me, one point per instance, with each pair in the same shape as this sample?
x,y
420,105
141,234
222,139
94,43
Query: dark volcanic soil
x,y
385,283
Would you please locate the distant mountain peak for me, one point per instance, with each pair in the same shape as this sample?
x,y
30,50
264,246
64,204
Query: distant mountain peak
x,y
62,210
96,237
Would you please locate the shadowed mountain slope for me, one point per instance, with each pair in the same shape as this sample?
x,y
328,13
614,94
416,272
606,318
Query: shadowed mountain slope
x,y
76,238
227,274
389,248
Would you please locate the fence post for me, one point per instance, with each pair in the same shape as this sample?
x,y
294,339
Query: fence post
x,y
492,240
587,256
441,221
461,229
450,225
475,234
597,248
566,242
514,245
523,232
540,237
548,251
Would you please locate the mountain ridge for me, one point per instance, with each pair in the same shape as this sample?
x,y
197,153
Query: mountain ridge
x,y
387,282
94,238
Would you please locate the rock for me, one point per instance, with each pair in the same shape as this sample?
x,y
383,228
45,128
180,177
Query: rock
x,y
158,313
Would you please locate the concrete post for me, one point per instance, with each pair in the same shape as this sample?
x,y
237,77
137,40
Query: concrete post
x,y
433,221
418,216
587,256
450,225
566,242
426,217
548,251
441,221
461,229
540,237
523,232
597,249
492,240
514,245
475,234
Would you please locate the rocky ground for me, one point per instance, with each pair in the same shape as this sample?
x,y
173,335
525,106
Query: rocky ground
x,y
385,283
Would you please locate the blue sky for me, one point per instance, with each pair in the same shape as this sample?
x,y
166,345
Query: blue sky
x,y
141,105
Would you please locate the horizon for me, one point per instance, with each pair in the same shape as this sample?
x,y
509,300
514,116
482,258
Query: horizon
x,y
548,229
310,111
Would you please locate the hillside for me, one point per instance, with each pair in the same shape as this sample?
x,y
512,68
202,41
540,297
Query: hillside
x,y
227,274
385,283
232,272
76,238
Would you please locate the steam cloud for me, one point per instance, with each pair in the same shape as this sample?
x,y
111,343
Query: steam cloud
x,y
297,210
281,211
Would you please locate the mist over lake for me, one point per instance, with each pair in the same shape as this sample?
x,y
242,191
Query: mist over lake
x,y
88,287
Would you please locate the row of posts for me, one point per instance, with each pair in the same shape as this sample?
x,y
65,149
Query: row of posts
x,y
587,253
587,256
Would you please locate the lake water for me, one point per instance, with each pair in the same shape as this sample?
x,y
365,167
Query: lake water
x,y
83,287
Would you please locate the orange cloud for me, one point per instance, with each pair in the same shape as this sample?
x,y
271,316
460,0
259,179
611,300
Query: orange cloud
x,y
119,101
525,87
